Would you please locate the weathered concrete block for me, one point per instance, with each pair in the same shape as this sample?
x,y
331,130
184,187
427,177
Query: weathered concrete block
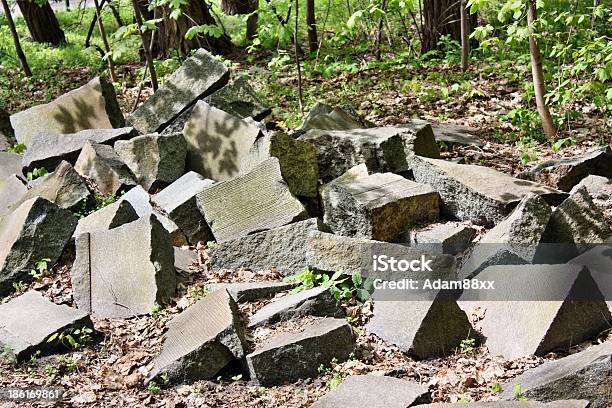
x,y
291,356
139,274
475,193
201,340
251,291
178,201
599,263
595,186
109,217
447,238
156,160
35,230
183,259
256,201
11,191
239,99
10,163
324,117
451,134
27,321
92,106
200,75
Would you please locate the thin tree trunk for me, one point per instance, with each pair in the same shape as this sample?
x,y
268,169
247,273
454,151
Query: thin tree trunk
x,y
67,4
20,54
383,7
538,73
41,22
145,45
465,37
109,58
252,27
311,24
297,60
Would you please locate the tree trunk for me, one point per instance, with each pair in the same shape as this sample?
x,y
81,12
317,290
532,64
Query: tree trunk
x,y
441,17
465,36
109,58
252,27
311,23
18,49
146,43
379,29
538,74
41,22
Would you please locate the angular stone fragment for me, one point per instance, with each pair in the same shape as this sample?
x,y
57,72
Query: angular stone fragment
x,y
156,160
447,238
435,327
201,340
10,163
328,118
451,134
92,106
4,142
37,229
239,99
583,375
251,291
48,150
599,263
11,191
311,302
109,217
535,309
476,193
200,75
382,149
513,404
217,142
178,201
282,248
373,391
379,206
297,158
183,259
566,172
139,274
598,187
291,356
101,164
256,201
27,321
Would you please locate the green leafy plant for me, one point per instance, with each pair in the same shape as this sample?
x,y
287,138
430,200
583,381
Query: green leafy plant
x,y
67,364
19,286
518,393
74,338
495,388
467,345
339,284
156,310
41,269
18,148
36,173
153,388
8,355
198,292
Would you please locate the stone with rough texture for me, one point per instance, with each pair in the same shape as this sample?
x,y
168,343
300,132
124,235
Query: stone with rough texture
x,y
595,186
92,106
35,230
4,142
291,356
282,248
10,163
109,217
11,191
451,134
253,202
379,206
373,391
178,201
156,160
217,142
566,172
317,301
27,321
251,291
513,404
476,193
583,375
139,274
201,340
199,76
599,262
447,238
48,150
101,164
335,119
239,99
184,258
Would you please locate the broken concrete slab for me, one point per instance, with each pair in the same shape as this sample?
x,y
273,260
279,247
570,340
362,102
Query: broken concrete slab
x,y
251,291
475,193
584,375
199,76
183,259
317,301
178,202
139,275
217,142
379,206
336,119
37,229
282,248
201,340
156,160
11,191
48,150
373,391
451,134
239,99
253,202
566,172
599,263
291,356
92,106
29,320
109,217
598,187
447,238
10,163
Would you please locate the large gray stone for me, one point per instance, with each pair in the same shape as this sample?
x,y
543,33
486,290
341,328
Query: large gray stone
x,y
92,106
566,172
217,142
317,301
379,206
11,191
282,248
447,238
109,217
513,404
178,201
476,193
139,274
101,164
4,142
598,187
599,262
451,134
584,375
48,150
156,160
35,230
253,202
201,340
324,117
199,76
291,356
27,321
10,163
373,391
239,99
251,291
184,258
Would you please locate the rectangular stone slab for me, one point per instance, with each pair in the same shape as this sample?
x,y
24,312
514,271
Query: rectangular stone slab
x,y
251,291
10,163
11,191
